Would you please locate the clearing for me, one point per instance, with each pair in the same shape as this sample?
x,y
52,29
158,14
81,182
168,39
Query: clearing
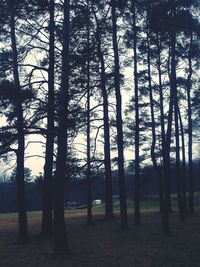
x,y
103,244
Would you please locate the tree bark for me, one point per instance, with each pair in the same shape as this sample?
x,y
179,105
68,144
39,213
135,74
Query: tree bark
x,y
89,189
166,164
153,128
21,196
60,238
47,220
171,105
162,117
176,119
137,129
107,160
120,141
190,130
183,165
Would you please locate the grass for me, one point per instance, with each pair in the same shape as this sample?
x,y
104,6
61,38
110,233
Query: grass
x,y
145,205
103,243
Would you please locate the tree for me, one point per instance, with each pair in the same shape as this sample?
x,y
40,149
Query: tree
x,y
173,81
47,220
60,238
120,141
137,126
107,157
23,231
190,127
151,100
89,185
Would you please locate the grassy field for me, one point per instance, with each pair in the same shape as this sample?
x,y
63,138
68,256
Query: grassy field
x,y
145,205
103,243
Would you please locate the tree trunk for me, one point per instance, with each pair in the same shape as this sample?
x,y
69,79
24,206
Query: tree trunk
x,y
107,160
60,238
166,165
120,141
137,138
153,157
176,108
89,189
21,196
183,165
170,120
190,159
47,220
162,117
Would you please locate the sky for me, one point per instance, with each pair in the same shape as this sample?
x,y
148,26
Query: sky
x,y
36,143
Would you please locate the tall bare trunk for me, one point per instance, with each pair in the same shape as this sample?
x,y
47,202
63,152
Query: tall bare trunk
x,y
176,119
107,160
166,166
190,158
21,196
120,141
153,127
137,137
89,189
166,148
162,117
183,165
166,163
47,220
60,238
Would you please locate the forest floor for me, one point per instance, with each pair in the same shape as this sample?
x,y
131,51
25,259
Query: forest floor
x,y
103,244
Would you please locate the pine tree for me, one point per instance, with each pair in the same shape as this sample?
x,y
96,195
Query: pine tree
x,y
120,141
47,219
23,229
60,238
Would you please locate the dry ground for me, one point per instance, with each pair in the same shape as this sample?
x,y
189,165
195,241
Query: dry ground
x,y
103,244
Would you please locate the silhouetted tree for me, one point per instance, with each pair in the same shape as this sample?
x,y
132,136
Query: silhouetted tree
x,y
60,238
107,157
137,126
89,185
23,232
120,141
47,219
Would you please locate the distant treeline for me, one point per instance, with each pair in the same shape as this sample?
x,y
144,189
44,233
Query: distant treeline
x,y
76,190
